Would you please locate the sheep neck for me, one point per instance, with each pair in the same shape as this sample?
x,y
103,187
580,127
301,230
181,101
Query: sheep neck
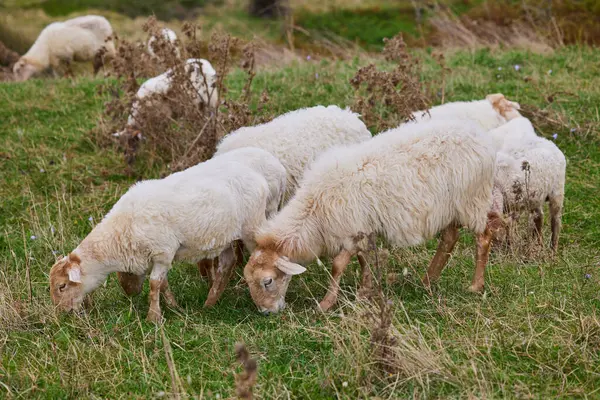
x,y
39,54
103,252
299,239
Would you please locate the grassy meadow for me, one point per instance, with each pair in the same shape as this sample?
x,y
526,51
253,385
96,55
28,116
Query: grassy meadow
x,y
535,333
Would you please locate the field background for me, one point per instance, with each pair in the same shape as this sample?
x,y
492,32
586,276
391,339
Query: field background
x,y
535,333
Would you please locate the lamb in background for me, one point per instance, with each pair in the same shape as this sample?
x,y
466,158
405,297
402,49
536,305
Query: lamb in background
x,y
169,37
202,76
492,112
86,38
531,170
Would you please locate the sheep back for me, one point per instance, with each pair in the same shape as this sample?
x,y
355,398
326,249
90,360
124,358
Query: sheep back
x,y
406,184
298,137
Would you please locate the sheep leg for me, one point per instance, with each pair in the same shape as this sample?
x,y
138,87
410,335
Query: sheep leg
x,y
222,276
131,284
366,284
484,242
340,262
538,220
205,267
98,62
239,252
439,261
157,276
167,294
68,69
556,206
513,219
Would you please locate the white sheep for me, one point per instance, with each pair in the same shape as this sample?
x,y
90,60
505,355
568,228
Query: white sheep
x,y
492,112
169,37
80,39
202,76
530,171
189,215
406,184
298,137
95,23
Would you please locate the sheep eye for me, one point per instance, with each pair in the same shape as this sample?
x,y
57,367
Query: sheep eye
x,y
268,281
62,287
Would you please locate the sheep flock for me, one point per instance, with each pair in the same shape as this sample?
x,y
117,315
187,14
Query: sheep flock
x,y
311,184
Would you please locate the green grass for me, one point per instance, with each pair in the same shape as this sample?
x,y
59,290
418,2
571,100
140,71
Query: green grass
x,y
350,24
535,333
163,9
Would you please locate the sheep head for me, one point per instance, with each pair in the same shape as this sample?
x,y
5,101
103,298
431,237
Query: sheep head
x,y
24,69
268,275
66,287
504,107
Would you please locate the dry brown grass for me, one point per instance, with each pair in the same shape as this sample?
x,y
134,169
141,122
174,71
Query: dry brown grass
x,y
536,25
451,31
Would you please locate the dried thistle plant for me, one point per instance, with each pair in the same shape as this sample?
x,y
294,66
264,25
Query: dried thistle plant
x,y
382,338
245,380
386,99
177,127
7,56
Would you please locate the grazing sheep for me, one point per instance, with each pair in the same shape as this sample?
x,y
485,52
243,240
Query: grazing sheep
x,y
406,184
95,23
530,171
189,215
169,37
202,77
81,39
490,113
298,137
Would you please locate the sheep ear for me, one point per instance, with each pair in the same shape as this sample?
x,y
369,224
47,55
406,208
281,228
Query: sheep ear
x,y
515,105
495,98
75,274
289,267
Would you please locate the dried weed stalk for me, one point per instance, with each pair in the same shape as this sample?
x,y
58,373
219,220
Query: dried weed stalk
x,y
245,380
7,56
176,128
382,340
386,99
7,59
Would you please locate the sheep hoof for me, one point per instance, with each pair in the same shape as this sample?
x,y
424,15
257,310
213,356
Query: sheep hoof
x,y
364,293
325,305
210,301
476,288
170,300
427,281
154,317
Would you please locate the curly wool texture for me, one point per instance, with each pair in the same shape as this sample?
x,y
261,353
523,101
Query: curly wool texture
x,y
298,137
189,215
530,169
489,113
79,39
406,184
202,76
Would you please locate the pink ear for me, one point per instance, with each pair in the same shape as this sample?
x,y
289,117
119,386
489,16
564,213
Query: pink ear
x,y
288,267
75,274
494,98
